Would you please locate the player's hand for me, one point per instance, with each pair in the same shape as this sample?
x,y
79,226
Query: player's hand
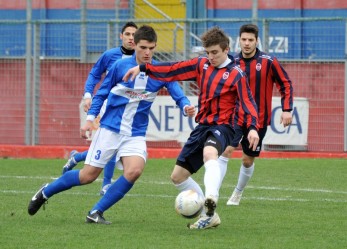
x,y
86,130
190,110
133,72
86,104
286,119
253,139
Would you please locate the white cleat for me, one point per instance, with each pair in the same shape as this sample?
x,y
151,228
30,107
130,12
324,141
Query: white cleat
x,y
234,199
205,222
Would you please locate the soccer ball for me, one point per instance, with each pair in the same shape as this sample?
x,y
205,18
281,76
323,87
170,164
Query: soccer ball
x,y
189,204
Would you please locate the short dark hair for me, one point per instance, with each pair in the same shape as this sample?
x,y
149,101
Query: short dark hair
x,y
249,28
215,36
128,24
145,32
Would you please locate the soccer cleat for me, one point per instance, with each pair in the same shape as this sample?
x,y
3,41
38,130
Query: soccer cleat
x,y
97,218
234,199
104,189
205,222
71,163
37,201
210,206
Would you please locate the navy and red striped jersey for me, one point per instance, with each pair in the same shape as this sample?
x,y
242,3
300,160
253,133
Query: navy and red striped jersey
x,y
263,72
223,91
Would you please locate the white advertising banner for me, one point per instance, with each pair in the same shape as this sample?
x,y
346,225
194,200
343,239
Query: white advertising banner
x,y
166,122
296,133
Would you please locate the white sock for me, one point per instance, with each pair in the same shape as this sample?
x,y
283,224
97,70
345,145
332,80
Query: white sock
x,y
223,166
190,184
212,178
244,177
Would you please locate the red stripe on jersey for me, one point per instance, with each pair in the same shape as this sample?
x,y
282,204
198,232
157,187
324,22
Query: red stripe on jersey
x,y
245,105
166,71
219,88
284,85
263,72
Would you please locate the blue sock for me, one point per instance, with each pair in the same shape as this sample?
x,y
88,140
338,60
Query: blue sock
x,y
116,192
108,171
81,156
65,182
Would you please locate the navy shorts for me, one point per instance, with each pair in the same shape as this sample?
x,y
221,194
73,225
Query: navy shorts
x,y
191,156
245,143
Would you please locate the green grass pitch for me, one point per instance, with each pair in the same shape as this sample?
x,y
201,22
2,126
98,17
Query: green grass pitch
x,y
289,203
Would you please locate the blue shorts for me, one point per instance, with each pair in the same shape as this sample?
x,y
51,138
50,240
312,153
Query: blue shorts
x,y
191,156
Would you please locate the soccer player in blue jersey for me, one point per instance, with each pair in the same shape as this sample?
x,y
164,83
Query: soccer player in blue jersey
x,y
101,67
263,71
225,108
122,129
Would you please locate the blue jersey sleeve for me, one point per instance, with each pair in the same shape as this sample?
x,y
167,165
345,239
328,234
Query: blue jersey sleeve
x,y
103,92
95,74
104,63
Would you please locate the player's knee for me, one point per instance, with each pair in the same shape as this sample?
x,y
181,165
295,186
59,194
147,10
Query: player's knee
x,y
133,175
247,161
179,177
175,178
89,174
210,153
228,151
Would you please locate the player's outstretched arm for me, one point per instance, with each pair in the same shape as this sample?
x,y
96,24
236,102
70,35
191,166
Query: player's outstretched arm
x,y
133,72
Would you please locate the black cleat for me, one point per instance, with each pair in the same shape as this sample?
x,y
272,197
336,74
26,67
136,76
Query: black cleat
x,y
210,206
37,201
97,218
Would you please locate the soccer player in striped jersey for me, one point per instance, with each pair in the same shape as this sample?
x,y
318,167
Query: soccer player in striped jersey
x,y
101,67
225,108
263,71
122,129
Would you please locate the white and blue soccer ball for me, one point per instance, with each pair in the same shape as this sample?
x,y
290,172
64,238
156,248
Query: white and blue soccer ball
x,y
189,204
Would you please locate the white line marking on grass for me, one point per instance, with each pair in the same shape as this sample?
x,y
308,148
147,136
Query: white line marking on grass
x,y
298,189
173,196
37,177
294,199
169,196
260,187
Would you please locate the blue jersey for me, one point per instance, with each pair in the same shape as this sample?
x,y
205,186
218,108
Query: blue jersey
x,y
103,65
128,103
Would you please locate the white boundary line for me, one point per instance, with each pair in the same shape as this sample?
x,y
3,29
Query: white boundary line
x,y
287,198
172,196
224,185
